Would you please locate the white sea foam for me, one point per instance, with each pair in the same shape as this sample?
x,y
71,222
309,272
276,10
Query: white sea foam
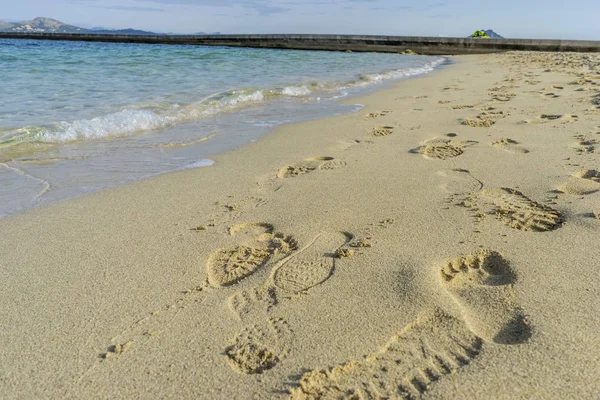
x,y
134,120
147,117
121,123
400,73
296,91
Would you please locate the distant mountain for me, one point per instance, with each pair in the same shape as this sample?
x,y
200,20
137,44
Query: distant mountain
x,y
493,35
39,25
122,32
48,25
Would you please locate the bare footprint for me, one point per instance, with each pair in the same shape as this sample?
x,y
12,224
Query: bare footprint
x,y
259,347
509,145
480,283
381,131
582,183
442,148
425,351
309,165
544,118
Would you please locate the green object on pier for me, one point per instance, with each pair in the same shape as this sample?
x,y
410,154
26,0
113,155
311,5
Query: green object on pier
x,y
480,35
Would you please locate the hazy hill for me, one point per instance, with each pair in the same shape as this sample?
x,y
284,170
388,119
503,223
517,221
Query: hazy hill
x,y
128,31
493,35
49,25
41,25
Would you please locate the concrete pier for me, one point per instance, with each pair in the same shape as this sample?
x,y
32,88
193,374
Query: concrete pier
x,y
358,43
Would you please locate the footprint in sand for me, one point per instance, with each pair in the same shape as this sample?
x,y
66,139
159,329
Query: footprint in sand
x,y
442,148
259,245
581,82
510,206
509,145
553,88
379,131
544,118
259,347
298,273
582,183
301,271
479,121
309,267
462,106
549,95
517,211
454,88
436,344
502,88
586,145
230,265
593,110
378,114
503,97
480,283
309,165
433,346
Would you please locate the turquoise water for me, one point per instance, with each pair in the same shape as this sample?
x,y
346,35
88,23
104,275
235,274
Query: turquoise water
x,y
78,117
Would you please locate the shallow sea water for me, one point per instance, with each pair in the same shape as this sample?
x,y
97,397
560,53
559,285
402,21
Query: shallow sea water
x,y
77,117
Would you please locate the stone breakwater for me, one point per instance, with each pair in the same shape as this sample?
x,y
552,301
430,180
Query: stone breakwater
x,y
392,44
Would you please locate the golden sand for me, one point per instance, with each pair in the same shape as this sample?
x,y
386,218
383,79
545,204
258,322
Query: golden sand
x,y
441,243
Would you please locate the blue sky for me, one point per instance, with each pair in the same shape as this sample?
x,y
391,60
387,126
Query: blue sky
x,y
553,19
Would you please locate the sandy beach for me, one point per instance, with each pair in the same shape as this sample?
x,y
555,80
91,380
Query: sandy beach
x,y
441,243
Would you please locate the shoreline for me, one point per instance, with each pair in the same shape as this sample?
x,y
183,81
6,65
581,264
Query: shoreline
x,y
222,129
122,293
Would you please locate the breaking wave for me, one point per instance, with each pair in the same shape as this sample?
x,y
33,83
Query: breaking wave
x,y
135,119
